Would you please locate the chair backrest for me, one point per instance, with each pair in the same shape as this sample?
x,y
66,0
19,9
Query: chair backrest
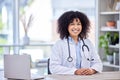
x,y
48,66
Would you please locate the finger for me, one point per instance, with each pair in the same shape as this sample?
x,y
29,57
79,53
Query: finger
x,y
90,72
86,72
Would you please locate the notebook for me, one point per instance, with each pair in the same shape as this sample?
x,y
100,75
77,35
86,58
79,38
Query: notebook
x,y
19,67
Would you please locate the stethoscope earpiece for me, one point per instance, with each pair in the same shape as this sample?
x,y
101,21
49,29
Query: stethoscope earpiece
x,y
90,59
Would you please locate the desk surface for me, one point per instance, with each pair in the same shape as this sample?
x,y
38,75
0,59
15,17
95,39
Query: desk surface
x,y
98,76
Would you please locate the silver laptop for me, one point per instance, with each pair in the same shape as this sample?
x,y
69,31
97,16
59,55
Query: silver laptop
x,y
19,67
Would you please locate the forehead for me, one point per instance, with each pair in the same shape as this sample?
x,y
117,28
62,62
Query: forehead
x,y
75,20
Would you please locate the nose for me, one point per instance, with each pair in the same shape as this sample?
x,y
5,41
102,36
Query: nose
x,y
75,26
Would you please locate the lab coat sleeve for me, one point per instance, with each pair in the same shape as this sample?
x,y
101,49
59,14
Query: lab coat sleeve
x,y
96,63
56,66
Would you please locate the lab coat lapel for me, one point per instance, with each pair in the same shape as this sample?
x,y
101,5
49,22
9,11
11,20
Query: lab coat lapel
x,y
84,62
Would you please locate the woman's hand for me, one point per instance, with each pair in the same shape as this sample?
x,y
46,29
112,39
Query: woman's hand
x,y
85,71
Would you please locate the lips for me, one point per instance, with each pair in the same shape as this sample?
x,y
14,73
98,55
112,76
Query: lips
x,y
75,30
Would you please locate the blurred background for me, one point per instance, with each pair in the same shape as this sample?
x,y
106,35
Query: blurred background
x,y
29,26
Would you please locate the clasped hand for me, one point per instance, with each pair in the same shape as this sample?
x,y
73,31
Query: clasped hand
x,y
85,71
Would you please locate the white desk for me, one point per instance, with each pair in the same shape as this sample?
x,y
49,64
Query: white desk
x,y
101,76
98,76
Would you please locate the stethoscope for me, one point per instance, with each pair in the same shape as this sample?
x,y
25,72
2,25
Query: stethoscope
x,y
70,59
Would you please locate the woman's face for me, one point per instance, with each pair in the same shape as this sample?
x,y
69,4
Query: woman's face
x,y
74,28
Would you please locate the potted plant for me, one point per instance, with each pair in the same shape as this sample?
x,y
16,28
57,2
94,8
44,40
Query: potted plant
x,y
104,43
114,38
26,21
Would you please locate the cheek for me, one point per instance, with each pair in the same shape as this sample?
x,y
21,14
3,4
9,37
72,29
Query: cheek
x,y
69,29
80,28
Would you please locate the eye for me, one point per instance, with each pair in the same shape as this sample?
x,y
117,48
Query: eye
x,y
71,23
79,24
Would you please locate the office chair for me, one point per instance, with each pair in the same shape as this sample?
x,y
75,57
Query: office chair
x,y
48,66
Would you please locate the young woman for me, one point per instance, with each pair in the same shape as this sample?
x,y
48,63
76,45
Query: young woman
x,y
74,53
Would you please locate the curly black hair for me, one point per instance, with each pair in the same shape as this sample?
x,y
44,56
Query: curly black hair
x,y
66,18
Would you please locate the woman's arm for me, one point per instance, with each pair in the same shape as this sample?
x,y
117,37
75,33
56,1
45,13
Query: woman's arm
x,y
56,66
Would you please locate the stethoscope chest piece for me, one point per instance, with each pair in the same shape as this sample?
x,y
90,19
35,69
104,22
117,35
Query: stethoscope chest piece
x,y
70,59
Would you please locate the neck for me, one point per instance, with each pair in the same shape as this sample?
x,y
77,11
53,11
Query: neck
x,y
75,39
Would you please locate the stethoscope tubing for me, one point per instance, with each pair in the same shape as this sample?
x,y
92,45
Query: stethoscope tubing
x,y
84,45
70,59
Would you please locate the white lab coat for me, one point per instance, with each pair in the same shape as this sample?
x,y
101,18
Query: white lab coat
x,y
59,55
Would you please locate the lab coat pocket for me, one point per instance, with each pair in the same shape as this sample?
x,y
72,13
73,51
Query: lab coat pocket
x,y
67,63
85,63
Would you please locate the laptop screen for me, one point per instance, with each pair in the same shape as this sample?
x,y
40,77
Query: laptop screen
x,y
17,66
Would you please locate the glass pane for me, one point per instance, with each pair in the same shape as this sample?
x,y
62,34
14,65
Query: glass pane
x,y
35,21
36,30
5,28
